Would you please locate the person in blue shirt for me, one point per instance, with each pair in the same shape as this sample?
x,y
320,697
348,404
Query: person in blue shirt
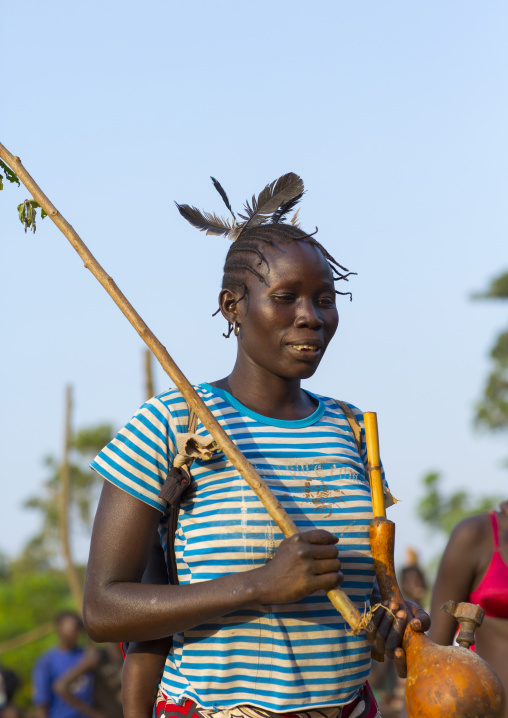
x,y
52,664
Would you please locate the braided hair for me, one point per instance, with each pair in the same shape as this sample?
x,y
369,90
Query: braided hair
x,y
262,225
246,256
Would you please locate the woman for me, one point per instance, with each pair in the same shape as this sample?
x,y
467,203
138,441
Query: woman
x,y
474,568
253,631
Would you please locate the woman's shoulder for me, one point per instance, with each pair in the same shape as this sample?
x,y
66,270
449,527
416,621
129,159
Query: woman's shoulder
x,y
173,409
173,401
472,530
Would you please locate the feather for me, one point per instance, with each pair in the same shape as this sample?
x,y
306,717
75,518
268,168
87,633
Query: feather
x,y
222,193
284,209
294,219
271,198
207,222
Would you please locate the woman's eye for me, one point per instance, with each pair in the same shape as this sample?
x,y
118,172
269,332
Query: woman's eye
x,y
327,301
283,297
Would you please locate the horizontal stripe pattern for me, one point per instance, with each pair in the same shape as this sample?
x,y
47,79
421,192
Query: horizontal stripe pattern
x,y
283,657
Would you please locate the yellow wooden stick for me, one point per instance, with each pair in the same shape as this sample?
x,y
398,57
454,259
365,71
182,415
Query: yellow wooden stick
x,y
376,479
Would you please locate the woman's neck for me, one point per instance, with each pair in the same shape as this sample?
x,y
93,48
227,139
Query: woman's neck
x,y
267,394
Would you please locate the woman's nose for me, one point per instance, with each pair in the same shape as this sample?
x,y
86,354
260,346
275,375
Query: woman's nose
x,y
308,315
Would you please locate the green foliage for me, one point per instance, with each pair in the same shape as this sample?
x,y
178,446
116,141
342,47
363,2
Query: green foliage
x,y
43,549
492,410
30,600
28,214
498,289
32,589
9,175
27,210
443,512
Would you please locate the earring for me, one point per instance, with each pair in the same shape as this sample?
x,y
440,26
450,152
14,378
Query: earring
x,y
236,328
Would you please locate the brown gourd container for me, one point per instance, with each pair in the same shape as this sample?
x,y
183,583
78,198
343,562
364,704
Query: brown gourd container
x,y
442,681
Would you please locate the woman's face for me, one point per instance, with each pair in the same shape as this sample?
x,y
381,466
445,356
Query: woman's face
x,y
287,323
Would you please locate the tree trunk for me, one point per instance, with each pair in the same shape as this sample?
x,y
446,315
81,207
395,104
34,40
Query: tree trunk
x,y
64,501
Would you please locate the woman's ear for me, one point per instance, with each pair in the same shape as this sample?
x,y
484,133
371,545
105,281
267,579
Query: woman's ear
x,y
228,303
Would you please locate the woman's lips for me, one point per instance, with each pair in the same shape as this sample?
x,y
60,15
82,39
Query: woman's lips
x,y
305,351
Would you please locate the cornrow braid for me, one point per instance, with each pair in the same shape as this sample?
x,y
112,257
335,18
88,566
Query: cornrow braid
x,y
246,255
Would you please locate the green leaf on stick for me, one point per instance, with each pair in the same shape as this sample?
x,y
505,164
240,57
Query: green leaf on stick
x,y
9,175
28,215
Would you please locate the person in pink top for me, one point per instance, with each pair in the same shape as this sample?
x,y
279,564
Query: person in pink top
x,y
474,568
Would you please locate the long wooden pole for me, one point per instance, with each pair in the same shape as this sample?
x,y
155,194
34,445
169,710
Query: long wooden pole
x,y
64,500
338,598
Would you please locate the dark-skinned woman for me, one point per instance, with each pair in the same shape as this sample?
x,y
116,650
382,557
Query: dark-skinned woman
x,y
253,633
474,568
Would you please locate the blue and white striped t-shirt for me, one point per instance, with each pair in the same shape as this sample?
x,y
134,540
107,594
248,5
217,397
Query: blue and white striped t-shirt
x,y
283,657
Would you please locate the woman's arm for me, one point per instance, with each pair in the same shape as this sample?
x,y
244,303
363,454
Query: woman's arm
x,y
455,577
118,606
144,663
141,675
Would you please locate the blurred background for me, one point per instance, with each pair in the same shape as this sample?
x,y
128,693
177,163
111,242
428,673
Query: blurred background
x,y
394,114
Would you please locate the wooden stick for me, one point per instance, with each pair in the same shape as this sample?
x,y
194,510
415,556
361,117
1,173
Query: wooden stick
x,y
338,598
63,500
376,479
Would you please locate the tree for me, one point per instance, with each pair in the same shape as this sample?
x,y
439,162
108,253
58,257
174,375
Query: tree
x,y
29,601
68,498
443,512
492,410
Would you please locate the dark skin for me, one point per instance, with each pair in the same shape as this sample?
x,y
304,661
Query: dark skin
x,y
285,327
464,563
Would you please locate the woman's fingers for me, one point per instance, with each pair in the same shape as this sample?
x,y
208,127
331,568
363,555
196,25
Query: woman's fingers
x,y
394,638
419,619
303,564
318,536
321,552
383,620
391,623
327,581
331,565
400,662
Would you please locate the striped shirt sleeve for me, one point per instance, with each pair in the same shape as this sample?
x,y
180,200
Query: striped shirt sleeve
x,y
138,459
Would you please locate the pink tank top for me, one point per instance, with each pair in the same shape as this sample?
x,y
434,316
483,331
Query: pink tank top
x,y
492,593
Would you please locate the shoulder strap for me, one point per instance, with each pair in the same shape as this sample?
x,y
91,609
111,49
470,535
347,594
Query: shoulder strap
x,y
353,423
495,529
192,422
174,510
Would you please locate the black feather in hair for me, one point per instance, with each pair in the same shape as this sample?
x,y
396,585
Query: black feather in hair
x,y
284,209
270,199
206,221
223,194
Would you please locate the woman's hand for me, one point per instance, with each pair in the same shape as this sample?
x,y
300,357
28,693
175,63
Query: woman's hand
x,y
391,625
303,564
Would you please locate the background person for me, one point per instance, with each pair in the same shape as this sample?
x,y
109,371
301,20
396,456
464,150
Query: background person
x,y
474,568
104,664
54,663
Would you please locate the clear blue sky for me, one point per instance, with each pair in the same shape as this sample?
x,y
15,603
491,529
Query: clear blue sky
x,y
395,115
